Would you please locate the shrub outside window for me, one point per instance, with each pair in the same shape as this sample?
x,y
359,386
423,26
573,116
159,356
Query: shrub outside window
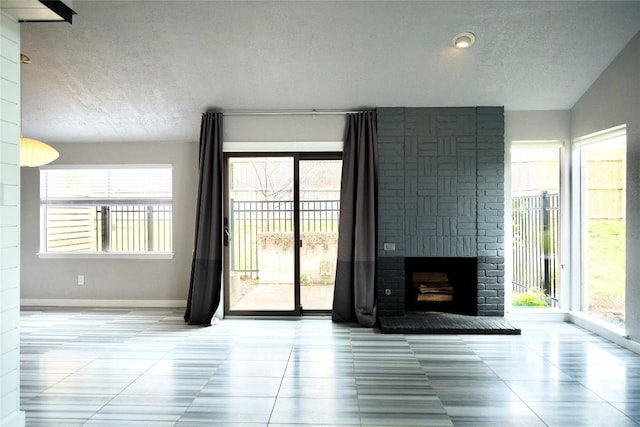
x,y
106,209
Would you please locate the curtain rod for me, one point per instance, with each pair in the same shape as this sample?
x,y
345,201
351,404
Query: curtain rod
x,y
289,112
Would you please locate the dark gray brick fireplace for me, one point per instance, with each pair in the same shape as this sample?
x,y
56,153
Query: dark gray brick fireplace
x,y
441,194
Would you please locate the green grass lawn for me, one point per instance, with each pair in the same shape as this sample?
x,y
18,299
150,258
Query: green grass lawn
x,y
605,271
606,258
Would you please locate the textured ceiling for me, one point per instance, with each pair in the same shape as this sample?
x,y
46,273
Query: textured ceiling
x,y
145,71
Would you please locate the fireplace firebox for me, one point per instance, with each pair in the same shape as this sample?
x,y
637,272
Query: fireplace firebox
x,y
443,284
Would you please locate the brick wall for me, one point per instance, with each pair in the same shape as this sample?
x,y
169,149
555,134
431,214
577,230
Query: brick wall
x,y
441,194
490,202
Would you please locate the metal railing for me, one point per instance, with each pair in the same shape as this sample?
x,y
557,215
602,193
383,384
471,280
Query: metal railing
x,y
113,228
247,219
535,246
135,228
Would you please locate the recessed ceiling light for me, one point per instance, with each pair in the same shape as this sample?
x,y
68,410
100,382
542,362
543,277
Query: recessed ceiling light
x,y
464,40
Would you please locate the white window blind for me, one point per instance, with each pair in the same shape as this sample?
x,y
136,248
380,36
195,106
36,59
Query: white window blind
x,y
115,185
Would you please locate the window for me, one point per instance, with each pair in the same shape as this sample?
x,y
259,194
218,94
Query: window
x,y
535,211
106,209
602,221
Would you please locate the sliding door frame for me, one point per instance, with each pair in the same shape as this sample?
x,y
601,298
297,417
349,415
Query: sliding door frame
x,y
226,271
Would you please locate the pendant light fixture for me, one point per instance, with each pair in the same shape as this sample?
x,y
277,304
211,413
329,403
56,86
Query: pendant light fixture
x,y
34,153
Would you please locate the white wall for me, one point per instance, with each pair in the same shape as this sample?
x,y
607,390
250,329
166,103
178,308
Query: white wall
x,y
303,129
536,125
137,282
9,223
155,282
614,99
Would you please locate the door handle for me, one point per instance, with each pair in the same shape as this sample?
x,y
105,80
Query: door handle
x,y
227,234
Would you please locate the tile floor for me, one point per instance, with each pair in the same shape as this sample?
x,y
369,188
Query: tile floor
x,y
145,367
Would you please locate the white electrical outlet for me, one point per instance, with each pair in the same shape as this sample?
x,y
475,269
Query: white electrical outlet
x,y
80,280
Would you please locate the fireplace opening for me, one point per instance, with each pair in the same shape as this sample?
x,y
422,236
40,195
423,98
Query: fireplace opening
x,y
444,284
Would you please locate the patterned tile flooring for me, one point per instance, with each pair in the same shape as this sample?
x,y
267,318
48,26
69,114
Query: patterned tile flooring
x,y
145,367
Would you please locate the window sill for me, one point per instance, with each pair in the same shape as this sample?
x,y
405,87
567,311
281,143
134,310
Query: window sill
x,y
105,255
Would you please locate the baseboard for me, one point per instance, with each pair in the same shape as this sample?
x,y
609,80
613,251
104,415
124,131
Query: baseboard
x,y
14,419
110,303
537,315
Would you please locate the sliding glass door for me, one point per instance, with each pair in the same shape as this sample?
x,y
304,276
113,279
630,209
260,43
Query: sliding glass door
x,y
319,212
282,225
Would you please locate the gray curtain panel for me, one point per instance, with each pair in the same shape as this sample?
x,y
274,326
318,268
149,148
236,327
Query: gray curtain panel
x,y
354,297
206,267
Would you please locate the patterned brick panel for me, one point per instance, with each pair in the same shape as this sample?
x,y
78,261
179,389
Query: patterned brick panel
x,y
391,180
439,170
